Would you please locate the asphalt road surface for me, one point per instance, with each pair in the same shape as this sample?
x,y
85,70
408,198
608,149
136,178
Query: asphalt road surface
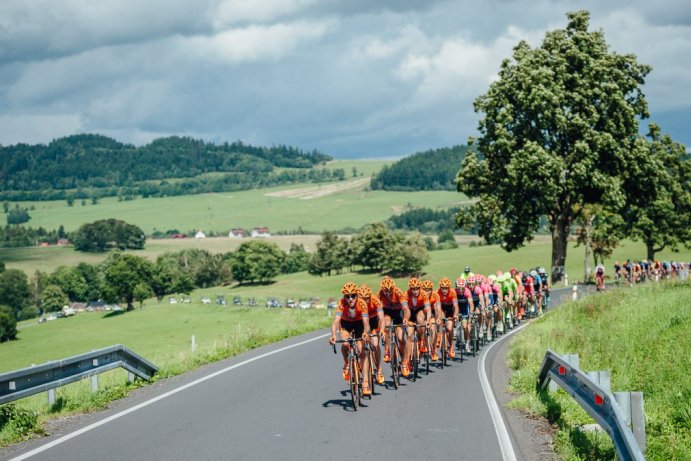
x,y
288,401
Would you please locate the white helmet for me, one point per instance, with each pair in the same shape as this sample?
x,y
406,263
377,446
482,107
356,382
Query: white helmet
x,y
533,273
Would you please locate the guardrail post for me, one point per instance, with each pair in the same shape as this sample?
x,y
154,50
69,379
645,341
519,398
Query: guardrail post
x,y
130,377
194,344
94,383
602,379
51,397
571,359
631,404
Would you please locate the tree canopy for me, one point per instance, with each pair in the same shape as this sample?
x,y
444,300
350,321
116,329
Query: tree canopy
x,y
107,234
559,130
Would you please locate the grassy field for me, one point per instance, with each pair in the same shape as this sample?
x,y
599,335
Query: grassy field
x,y
312,207
643,336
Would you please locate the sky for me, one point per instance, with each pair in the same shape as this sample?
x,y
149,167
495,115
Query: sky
x,y
349,78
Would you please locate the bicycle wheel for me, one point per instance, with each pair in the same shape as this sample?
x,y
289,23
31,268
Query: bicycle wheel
x,y
443,348
372,371
473,337
429,351
367,379
395,364
415,359
354,391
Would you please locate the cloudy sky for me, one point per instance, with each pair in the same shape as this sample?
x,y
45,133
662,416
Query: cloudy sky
x,y
351,78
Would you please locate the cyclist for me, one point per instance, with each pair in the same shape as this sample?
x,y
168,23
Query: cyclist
x,y
478,302
497,299
529,290
466,273
352,319
434,303
519,293
465,307
448,304
420,313
537,288
545,286
600,277
396,313
375,312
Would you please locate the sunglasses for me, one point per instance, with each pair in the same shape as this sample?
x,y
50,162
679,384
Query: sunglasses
x,y
350,296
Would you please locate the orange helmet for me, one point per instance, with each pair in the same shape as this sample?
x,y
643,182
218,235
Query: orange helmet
x,y
414,283
445,283
349,289
427,285
365,291
387,283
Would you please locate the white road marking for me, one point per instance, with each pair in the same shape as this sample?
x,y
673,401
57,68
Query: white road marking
x,y
81,431
505,444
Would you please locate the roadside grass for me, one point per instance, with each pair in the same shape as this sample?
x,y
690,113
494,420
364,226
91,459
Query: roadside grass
x,y
643,336
161,333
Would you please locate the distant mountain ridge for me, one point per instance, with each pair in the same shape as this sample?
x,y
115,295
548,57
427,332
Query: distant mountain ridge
x,y
95,162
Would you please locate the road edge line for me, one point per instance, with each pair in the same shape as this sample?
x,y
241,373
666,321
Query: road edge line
x,y
146,403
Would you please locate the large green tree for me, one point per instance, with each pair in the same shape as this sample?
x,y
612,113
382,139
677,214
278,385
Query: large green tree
x,y
8,324
559,128
257,261
658,211
14,291
122,274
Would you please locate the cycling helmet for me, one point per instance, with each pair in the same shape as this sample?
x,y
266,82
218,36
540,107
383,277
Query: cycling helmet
x,y
387,283
365,292
480,278
533,273
542,270
499,273
414,283
460,282
471,279
492,278
445,283
349,289
427,285
512,272
466,270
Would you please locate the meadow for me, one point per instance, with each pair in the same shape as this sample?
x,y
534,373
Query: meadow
x,y
642,335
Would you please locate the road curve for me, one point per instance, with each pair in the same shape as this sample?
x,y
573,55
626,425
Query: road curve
x,y
284,401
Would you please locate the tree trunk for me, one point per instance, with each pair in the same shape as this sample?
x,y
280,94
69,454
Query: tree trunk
x,y
588,247
650,250
560,238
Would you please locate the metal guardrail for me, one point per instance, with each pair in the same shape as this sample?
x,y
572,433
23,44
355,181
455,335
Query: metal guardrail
x,y
22,383
597,401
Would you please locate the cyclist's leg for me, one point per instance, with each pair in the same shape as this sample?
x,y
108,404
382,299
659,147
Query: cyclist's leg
x,y
420,320
385,332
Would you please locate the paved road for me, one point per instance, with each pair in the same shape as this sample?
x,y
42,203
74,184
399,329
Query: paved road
x,y
284,401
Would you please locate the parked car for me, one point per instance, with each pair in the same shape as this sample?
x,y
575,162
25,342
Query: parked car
x,y
305,304
237,301
220,299
273,302
172,300
290,303
206,300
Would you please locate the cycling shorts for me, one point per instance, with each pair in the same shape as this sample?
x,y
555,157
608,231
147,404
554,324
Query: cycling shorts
x,y
448,310
396,315
464,309
414,313
356,328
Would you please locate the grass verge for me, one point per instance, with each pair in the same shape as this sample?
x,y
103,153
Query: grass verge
x,y
28,417
642,335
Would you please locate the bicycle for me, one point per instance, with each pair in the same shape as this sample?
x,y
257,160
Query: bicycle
x,y
395,356
474,334
445,342
372,363
354,370
415,356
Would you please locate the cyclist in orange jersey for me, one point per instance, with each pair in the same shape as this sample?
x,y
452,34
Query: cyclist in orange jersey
x,y
420,313
448,306
375,312
428,288
396,312
352,320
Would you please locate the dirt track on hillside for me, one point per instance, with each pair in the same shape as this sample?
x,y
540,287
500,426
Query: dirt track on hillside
x,y
307,193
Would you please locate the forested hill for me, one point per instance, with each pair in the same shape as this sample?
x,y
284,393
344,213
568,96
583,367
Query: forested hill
x,y
97,162
431,170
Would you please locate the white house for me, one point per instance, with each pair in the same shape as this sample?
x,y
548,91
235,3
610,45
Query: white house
x,y
236,233
261,232
199,235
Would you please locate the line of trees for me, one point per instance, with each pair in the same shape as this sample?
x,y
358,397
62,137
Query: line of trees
x,y
90,166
